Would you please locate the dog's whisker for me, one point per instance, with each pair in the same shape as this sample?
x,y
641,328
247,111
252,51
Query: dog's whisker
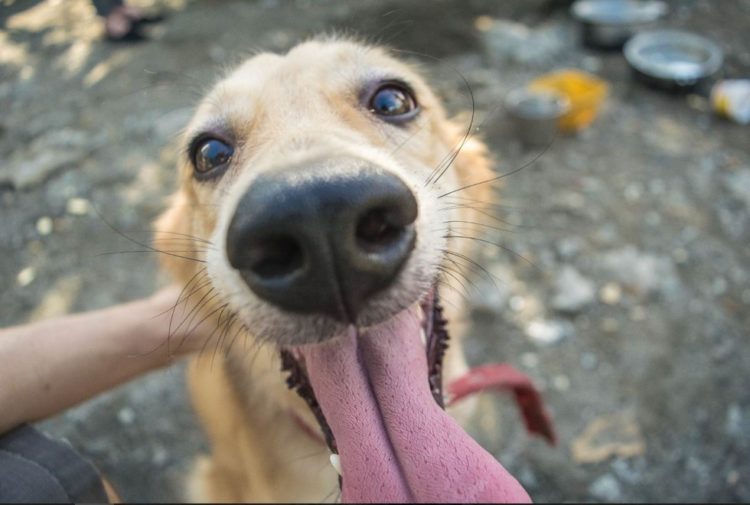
x,y
190,317
465,291
504,248
476,223
501,176
183,299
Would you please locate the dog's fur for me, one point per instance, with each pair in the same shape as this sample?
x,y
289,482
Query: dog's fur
x,y
282,111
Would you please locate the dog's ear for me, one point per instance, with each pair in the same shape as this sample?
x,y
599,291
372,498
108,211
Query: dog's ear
x,y
175,226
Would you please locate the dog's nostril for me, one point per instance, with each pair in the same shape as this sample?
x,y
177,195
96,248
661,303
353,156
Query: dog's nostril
x,y
376,230
275,257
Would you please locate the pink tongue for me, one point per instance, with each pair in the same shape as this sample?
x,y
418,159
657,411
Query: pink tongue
x,y
395,443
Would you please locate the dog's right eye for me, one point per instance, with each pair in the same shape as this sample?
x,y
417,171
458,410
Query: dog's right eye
x,y
210,156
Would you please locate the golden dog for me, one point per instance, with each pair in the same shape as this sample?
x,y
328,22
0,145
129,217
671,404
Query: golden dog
x,y
323,197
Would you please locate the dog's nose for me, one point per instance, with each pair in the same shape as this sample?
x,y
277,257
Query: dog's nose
x,y
312,241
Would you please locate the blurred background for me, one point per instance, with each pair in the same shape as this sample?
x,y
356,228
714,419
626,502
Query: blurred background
x,y
627,293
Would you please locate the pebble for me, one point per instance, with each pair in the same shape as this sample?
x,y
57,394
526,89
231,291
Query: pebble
x,y
568,247
645,273
561,382
509,41
737,183
573,291
77,206
529,359
548,332
588,361
517,303
680,255
733,424
638,313
611,293
719,286
733,477
126,415
633,192
606,488
610,325
159,456
26,276
44,225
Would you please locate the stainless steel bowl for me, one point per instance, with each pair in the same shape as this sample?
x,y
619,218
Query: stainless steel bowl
x,y
674,60
535,114
608,24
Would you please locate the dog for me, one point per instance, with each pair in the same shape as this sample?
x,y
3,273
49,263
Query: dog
x,y
323,198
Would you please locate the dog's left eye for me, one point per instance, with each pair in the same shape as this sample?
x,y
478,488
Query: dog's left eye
x,y
393,101
210,156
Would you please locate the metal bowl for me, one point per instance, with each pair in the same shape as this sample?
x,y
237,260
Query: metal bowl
x,y
608,24
536,114
673,60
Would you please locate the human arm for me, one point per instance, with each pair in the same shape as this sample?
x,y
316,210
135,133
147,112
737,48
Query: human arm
x,y
48,366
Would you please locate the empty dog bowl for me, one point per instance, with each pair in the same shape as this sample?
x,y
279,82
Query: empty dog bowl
x,y
608,24
535,114
673,60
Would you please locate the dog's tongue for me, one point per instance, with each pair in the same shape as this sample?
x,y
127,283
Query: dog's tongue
x,y
395,443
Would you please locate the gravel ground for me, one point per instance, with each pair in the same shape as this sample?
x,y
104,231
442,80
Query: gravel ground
x,y
625,296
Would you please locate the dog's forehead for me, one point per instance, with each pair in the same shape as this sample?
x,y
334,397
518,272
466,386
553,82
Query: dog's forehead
x,y
316,67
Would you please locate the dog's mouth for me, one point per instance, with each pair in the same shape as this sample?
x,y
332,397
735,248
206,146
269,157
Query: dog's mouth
x,y
377,395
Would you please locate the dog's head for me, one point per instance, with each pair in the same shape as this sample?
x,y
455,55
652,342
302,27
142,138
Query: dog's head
x,y
313,185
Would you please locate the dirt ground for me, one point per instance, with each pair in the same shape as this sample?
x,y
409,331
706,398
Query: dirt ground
x,y
630,306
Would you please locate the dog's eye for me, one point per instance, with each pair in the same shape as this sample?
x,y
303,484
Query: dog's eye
x,y
210,155
393,101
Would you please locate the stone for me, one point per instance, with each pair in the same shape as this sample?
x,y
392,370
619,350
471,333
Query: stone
x,y
547,332
26,276
44,225
573,291
77,206
611,293
643,273
606,488
511,42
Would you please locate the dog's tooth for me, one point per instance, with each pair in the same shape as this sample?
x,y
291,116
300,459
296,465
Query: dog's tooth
x,y
336,463
423,337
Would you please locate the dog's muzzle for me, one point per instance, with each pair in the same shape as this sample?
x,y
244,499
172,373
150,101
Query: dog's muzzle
x,y
322,238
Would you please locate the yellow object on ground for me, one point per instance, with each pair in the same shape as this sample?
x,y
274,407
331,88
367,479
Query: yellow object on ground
x,y
586,93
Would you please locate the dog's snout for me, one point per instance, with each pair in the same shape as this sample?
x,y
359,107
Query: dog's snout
x,y
312,240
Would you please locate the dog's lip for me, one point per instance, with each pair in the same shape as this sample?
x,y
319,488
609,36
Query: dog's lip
x,y
394,443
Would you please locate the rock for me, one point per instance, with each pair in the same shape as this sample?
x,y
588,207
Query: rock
x,y
170,124
529,359
733,423
510,42
58,300
44,225
491,295
588,361
607,436
77,206
26,276
126,415
46,156
642,273
737,183
561,382
548,332
606,488
568,247
573,291
611,293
